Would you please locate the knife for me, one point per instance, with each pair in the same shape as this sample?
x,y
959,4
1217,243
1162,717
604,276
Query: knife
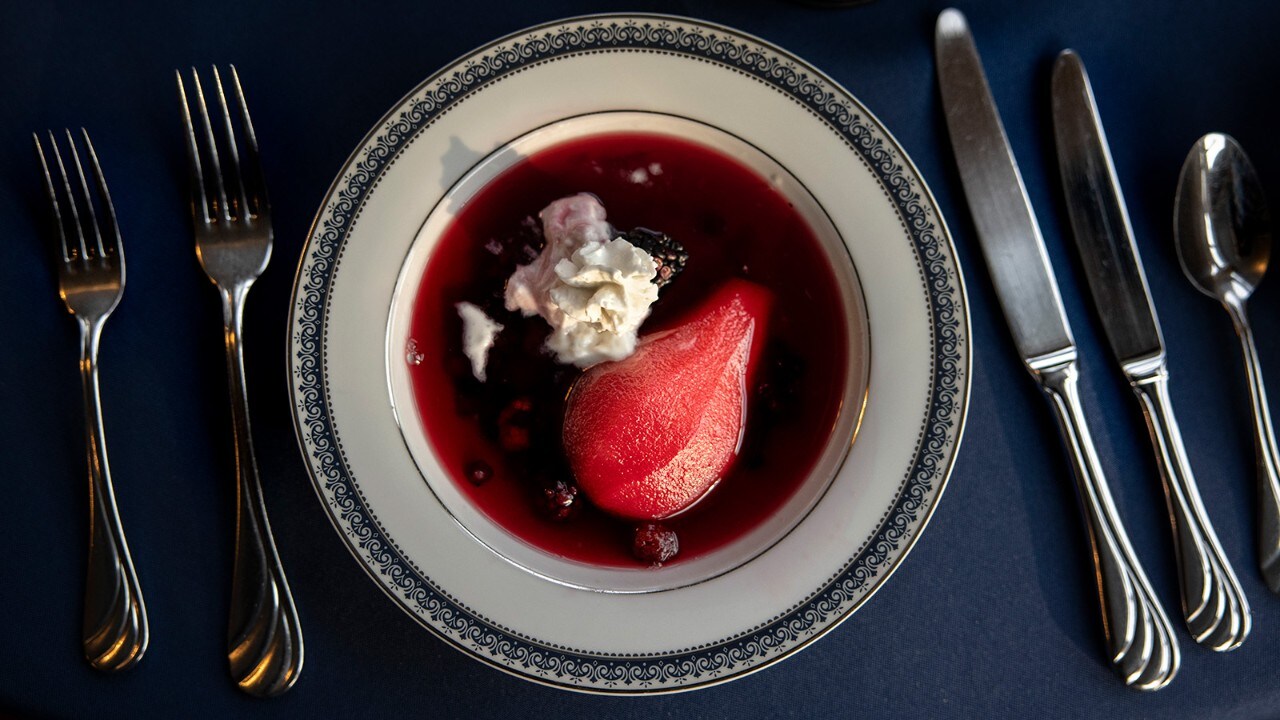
x,y
1140,639
1213,604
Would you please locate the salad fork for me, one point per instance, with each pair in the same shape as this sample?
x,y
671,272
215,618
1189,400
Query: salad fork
x,y
233,243
91,281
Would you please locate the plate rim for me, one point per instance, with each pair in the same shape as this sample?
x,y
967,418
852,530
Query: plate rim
x,y
960,395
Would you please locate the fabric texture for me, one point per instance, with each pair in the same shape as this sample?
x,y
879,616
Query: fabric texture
x,y
994,613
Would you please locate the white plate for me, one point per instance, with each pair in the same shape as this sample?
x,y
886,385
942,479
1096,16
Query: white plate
x,y
557,622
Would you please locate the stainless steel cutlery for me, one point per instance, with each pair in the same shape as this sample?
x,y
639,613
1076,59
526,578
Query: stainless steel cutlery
x,y
1141,643
1215,608
90,261
233,237
1223,231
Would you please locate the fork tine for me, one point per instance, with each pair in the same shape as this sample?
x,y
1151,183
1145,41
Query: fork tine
x,y
88,199
242,199
71,201
220,208
253,162
199,202
113,236
53,198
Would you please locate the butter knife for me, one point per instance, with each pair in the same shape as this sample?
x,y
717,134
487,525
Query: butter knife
x,y
1140,639
1213,604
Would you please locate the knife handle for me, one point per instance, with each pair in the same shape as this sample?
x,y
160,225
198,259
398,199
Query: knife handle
x,y
1214,605
1139,637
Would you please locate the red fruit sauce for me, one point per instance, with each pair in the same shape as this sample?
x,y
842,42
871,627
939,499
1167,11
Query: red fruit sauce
x,y
733,224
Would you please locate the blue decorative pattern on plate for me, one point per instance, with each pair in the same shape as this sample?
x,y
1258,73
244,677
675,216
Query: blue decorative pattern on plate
x,y
842,550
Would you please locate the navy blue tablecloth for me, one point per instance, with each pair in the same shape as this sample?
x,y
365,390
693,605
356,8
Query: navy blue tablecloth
x,y
993,615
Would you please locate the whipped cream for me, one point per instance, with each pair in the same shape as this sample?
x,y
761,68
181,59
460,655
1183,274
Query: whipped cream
x,y
479,332
593,287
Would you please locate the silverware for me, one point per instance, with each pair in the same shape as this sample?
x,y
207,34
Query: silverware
x,y
233,242
1213,603
1140,639
1223,232
91,282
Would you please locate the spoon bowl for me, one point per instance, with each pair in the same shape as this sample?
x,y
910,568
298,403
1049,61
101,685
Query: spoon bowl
x,y
1221,221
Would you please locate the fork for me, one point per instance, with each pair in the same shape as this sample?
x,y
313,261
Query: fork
x,y
233,243
91,281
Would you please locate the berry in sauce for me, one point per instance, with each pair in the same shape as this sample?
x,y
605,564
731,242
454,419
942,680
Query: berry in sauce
x,y
654,543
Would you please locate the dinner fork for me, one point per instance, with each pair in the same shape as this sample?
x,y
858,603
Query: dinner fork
x,y
233,243
91,281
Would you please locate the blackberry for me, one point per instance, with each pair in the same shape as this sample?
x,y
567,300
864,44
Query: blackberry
x,y
560,500
655,543
669,255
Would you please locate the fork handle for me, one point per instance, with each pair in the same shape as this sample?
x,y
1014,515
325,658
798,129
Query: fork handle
x,y
115,618
1140,640
264,639
1213,604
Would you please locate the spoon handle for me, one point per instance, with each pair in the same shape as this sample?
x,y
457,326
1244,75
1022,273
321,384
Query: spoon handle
x,y
1213,604
1268,458
1140,639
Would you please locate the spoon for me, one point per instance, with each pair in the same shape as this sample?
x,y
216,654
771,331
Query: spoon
x,y
1223,233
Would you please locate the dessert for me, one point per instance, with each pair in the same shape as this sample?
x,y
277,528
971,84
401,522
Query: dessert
x,y
649,436
729,266
591,285
479,332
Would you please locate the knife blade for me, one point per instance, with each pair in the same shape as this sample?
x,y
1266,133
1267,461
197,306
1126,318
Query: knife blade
x,y
1140,639
1007,227
1100,219
1213,604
